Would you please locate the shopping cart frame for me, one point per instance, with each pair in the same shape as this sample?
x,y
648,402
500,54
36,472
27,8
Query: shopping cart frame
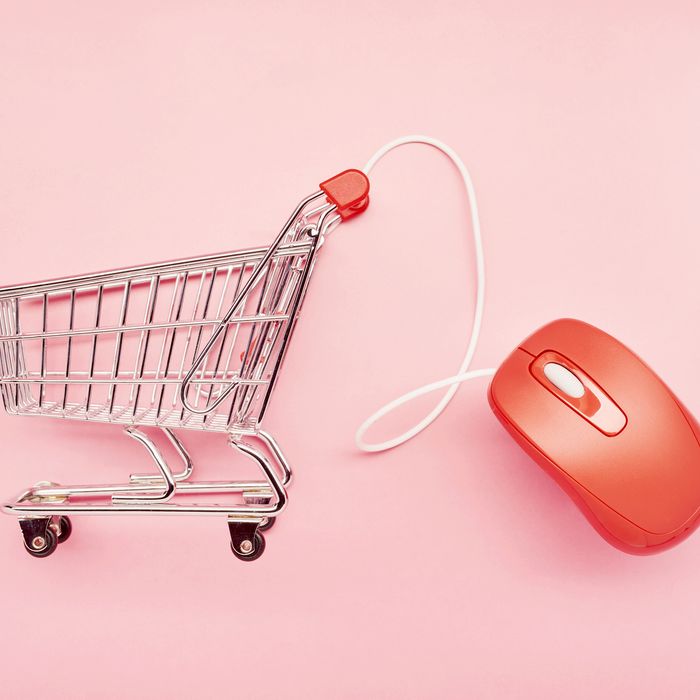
x,y
44,510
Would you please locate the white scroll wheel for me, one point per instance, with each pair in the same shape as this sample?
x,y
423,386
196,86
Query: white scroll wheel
x,y
564,379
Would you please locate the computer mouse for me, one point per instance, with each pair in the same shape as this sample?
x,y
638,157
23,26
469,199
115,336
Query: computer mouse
x,y
608,429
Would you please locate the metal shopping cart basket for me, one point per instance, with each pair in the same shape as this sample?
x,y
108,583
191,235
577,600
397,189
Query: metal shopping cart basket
x,y
193,344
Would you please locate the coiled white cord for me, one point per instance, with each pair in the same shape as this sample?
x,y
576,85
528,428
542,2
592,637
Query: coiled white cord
x,y
463,374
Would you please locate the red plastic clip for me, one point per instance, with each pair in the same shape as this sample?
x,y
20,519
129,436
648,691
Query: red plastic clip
x,y
349,191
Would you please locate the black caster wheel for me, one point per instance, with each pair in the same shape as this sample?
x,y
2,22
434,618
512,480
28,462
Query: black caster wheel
x,y
42,545
62,529
250,551
266,525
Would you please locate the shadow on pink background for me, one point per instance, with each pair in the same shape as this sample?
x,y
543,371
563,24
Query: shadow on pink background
x,y
451,567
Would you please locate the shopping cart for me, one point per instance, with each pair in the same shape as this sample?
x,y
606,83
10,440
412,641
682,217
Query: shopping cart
x,y
193,344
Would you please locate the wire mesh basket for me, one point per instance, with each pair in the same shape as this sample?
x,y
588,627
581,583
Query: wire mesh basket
x,y
192,344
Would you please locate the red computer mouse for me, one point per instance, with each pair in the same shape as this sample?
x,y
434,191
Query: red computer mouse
x,y
608,429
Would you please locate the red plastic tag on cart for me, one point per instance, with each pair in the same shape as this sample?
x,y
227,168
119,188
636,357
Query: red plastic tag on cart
x,y
349,191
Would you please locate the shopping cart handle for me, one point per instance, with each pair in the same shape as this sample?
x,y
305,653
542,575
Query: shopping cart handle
x,y
221,326
349,191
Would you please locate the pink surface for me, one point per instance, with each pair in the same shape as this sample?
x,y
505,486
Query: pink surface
x,y
449,568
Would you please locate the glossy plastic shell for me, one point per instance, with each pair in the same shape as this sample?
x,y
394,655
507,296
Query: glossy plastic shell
x,y
640,485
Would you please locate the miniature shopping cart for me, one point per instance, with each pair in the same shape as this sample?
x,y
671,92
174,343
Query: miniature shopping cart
x,y
193,344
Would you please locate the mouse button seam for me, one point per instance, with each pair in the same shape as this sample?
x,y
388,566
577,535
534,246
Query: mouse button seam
x,y
687,418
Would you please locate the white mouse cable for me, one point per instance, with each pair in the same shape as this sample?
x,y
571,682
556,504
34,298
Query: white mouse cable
x,y
463,373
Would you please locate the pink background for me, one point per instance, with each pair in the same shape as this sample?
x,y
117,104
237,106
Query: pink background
x,y
451,567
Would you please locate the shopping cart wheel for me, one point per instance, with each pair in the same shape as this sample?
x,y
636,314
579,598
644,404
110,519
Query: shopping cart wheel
x,y
266,524
42,545
249,550
247,542
62,529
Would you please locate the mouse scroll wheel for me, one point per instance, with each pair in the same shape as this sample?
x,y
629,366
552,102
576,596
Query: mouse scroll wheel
x,y
564,379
